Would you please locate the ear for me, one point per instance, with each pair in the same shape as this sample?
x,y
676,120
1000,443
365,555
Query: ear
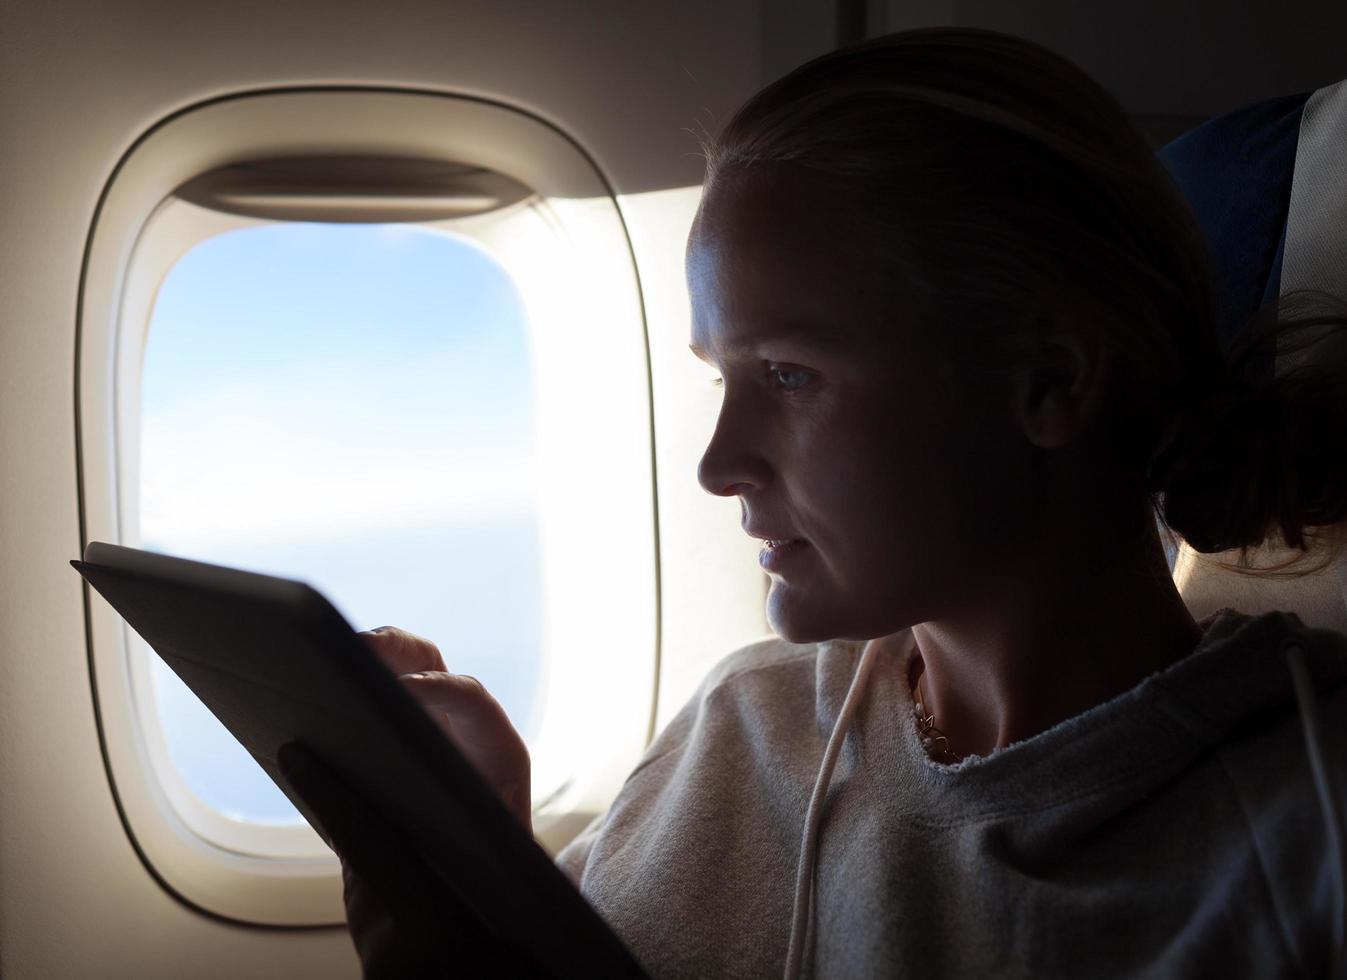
x,y
1058,382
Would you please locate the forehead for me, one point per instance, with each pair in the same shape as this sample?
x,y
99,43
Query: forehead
x,y
770,260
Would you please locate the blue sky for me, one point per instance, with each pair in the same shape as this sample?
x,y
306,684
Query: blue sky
x,y
351,405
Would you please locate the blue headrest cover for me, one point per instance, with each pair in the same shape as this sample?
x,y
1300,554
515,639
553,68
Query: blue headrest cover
x,y
1236,172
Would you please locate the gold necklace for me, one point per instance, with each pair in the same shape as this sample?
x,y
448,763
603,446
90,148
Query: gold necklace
x,y
926,723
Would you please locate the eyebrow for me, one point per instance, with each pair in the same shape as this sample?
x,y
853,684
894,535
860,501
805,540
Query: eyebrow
x,y
820,341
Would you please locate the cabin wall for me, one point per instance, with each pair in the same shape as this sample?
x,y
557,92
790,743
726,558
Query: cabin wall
x,y
1169,64
80,80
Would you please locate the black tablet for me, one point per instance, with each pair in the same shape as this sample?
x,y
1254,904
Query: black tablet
x,y
275,662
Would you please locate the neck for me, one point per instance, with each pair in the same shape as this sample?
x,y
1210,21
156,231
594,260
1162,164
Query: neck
x,y
1062,638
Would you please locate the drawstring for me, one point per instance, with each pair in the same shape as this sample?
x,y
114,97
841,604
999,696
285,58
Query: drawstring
x,y
804,872
1328,807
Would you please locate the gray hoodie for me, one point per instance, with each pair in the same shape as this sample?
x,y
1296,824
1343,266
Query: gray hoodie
x,y
1173,831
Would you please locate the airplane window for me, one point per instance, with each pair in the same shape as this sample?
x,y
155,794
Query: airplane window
x,y
351,405
409,363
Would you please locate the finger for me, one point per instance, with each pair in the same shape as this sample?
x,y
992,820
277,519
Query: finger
x,y
474,719
461,696
402,651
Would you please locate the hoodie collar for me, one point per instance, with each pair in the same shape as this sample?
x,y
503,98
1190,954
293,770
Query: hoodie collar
x,y
1235,675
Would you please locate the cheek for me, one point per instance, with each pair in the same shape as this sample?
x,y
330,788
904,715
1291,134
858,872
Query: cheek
x,y
857,489
906,490
901,448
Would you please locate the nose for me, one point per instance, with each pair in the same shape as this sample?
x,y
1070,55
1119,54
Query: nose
x,y
733,462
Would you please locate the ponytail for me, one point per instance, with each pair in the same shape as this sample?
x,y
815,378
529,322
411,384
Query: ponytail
x,y
1262,455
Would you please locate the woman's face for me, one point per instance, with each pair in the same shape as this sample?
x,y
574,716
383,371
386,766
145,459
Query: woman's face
x,y
844,422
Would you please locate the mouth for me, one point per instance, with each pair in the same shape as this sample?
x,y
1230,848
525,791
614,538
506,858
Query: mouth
x,y
762,534
778,553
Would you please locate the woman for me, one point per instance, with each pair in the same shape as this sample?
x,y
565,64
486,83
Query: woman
x,y
965,330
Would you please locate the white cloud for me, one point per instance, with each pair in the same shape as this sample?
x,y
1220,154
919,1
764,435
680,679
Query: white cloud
x,y
244,462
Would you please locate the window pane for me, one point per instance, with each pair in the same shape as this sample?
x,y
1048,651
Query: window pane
x,y
351,405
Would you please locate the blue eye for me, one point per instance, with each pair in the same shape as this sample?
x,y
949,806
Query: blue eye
x,y
785,378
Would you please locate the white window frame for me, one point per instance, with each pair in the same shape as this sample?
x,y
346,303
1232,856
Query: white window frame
x,y
597,513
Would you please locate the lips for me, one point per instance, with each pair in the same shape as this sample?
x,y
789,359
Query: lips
x,y
780,554
772,539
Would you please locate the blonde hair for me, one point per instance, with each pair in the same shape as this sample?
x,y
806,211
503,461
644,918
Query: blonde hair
x,y
999,182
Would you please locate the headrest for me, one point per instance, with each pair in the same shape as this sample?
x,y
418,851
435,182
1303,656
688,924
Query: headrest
x,y
1236,171
1268,184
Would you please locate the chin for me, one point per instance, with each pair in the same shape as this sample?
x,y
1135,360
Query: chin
x,y
798,621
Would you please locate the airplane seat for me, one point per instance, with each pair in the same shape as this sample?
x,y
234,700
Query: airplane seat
x,y
1268,184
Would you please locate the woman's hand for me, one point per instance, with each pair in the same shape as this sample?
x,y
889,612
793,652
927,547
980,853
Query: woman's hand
x,y
404,921
472,718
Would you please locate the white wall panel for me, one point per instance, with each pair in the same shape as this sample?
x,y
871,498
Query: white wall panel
x,y
81,80
79,83
1168,63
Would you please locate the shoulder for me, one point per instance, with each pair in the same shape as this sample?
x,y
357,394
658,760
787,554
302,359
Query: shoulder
x,y
1271,763
1295,678
751,672
764,661
747,688
725,720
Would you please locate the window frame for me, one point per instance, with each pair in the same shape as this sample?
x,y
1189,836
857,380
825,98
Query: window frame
x,y
284,876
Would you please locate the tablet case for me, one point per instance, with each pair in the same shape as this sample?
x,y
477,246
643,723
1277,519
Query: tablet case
x,y
275,662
